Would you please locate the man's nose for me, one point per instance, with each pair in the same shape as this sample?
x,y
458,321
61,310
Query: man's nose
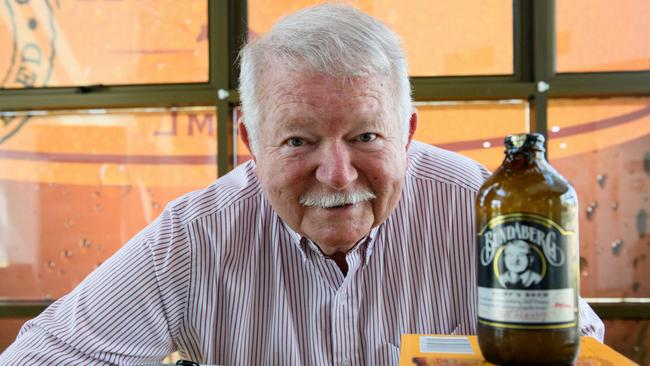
x,y
335,168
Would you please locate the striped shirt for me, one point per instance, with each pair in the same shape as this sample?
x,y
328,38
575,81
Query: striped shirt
x,y
220,278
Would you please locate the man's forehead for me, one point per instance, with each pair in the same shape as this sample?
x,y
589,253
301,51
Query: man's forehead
x,y
301,122
317,89
273,76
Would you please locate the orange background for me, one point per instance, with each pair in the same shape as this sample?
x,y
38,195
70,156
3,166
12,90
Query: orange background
x,y
473,38
599,35
109,42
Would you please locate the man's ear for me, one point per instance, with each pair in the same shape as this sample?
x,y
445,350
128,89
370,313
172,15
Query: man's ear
x,y
243,133
413,125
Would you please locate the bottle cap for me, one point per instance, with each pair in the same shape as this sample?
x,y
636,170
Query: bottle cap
x,y
528,141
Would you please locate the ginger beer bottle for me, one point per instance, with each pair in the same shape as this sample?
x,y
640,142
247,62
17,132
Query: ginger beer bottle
x,y
527,263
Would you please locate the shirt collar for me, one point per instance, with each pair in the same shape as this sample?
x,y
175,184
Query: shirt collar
x,y
309,249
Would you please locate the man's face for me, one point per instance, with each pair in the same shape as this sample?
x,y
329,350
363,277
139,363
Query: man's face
x,y
516,260
321,136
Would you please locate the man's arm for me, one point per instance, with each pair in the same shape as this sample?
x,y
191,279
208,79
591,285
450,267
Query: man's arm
x,y
590,323
123,313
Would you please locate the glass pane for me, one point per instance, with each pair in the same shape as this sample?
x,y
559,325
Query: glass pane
x,y
601,35
441,38
9,328
474,129
76,185
603,147
630,338
70,43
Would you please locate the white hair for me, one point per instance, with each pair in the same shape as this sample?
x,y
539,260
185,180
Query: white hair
x,y
329,39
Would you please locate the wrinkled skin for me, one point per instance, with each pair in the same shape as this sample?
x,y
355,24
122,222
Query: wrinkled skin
x,y
321,135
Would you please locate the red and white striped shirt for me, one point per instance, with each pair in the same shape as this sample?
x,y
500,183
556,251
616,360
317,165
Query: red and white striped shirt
x,y
220,278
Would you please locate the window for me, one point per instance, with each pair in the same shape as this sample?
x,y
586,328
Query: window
x,y
76,185
608,139
77,43
596,35
473,38
475,129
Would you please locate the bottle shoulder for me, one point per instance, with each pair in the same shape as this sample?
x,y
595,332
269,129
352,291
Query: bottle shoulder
x,y
532,182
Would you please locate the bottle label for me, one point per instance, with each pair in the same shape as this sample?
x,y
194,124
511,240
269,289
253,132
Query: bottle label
x,y
526,273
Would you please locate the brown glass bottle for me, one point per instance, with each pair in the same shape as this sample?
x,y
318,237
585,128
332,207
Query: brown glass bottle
x,y
527,263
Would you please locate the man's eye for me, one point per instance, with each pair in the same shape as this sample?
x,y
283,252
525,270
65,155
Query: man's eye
x,y
295,141
367,137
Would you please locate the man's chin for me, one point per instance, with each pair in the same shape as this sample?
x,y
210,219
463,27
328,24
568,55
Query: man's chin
x,y
337,238
331,246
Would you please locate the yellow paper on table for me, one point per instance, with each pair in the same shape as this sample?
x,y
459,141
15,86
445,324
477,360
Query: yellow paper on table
x,y
442,350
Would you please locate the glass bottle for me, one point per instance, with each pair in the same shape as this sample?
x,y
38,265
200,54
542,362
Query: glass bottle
x,y
527,263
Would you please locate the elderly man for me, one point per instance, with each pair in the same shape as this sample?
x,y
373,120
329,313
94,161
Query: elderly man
x,y
341,235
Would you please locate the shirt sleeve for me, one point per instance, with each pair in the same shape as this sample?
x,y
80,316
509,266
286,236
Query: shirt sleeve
x,y
590,323
128,311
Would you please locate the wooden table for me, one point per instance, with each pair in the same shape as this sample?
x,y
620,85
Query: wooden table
x,y
433,350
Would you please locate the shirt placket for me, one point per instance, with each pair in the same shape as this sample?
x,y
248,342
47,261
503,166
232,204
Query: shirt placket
x,y
345,317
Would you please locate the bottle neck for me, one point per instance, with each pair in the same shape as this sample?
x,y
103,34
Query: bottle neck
x,y
523,158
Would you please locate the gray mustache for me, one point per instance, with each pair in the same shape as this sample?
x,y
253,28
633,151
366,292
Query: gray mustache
x,y
337,199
